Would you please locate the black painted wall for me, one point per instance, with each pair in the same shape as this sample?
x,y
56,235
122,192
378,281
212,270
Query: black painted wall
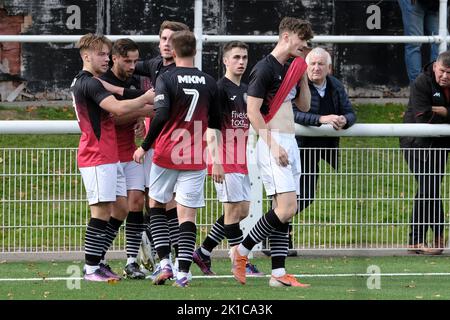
x,y
367,69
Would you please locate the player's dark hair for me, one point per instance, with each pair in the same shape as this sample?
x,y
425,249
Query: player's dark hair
x,y
234,44
92,41
172,25
121,47
184,44
298,26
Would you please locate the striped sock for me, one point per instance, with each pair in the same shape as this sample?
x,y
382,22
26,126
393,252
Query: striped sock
x,y
215,236
112,229
262,229
160,232
233,233
148,230
93,242
133,232
279,245
174,228
188,233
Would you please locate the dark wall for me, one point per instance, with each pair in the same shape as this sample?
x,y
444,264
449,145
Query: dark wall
x,y
363,67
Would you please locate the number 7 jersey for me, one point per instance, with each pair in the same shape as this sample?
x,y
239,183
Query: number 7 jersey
x,y
191,96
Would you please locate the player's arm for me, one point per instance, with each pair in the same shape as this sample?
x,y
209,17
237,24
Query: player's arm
x,y
147,111
162,107
121,107
213,136
303,99
126,93
107,101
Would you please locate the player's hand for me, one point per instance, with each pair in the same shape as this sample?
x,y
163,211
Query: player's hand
x,y
280,155
217,174
139,129
152,111
149,96
138,155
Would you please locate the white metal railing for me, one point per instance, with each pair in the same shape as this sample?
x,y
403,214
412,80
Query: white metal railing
x,y
359,129
226,38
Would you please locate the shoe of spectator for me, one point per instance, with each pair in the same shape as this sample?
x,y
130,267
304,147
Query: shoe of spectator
x,y
108,271
252,270
146,254
132,271
203,264
98,276
165,274
436,249
181,283
288,280
238,263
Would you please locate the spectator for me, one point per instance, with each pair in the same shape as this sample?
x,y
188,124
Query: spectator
x,y
429,102
329,105
420,17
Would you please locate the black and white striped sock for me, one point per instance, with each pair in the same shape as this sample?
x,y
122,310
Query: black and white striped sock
x,y
160,232
186,245
262,229
93,242
112,229
233,233
279,245
174,228
133,232
215,235
148,230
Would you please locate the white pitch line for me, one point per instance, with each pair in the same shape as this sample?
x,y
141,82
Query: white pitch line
x,y
335,275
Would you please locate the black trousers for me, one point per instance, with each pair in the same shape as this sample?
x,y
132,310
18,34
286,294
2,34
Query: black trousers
x,y
310,158
428,167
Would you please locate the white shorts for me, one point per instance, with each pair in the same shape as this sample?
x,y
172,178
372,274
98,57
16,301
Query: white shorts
x,y
104,183
147,166
235,188
277,179
187,184
134,175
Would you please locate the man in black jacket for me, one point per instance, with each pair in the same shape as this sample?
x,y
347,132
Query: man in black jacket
x,y
329,105
429,102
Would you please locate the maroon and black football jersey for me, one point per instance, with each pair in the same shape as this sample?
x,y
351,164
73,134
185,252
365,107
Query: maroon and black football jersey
x,y
98,144
191,96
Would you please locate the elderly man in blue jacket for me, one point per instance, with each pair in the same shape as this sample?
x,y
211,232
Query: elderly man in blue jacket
x,y
329,105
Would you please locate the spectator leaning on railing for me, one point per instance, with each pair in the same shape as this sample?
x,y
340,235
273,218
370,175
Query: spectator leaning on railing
x,y
429,102
329,105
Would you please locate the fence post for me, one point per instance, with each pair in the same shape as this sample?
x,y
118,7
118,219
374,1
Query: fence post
x,y
256,194
443,25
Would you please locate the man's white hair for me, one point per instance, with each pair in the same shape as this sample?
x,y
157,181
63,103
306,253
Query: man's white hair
x,y
318,51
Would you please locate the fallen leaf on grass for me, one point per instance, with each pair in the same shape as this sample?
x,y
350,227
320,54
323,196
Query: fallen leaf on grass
x,y
351,290
419,297
411,285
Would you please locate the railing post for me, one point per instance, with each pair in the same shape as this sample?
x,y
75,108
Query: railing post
x,y
443,25
256,193
198,31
